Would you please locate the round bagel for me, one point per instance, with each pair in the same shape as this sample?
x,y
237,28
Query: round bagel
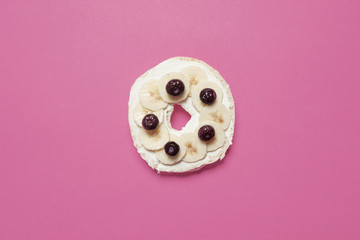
x,y
152,93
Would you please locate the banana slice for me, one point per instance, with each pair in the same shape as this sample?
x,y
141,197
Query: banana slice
x,y
154,139
171,160
195,76
162,87
218,113
140,112
219,138
149,96
195,149
198,104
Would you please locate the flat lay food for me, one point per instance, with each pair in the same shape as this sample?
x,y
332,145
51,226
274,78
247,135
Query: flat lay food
x,y
203,93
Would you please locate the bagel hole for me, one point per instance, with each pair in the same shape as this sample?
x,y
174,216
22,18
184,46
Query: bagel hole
x,y
179,118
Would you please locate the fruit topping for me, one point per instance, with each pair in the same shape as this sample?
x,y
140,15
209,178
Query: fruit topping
x,y
195,76
150,121
150,97
172,148
202,98
175,87
206,133
208,95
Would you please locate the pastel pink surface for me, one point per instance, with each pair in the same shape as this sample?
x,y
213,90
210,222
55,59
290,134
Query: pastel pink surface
x,y
68,168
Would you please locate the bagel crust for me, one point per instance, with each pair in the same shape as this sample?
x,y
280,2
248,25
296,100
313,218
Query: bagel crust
x,y
175,64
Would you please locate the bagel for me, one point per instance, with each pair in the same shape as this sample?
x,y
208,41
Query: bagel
x,y
203,93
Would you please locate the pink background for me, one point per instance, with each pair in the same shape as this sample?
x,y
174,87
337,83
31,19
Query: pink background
x,y
68,168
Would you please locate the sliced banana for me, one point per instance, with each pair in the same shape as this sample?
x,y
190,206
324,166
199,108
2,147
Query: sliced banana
x,y
195,148
195,76
171,160
218,113
162,87
140,112
198,104
219,138
154,139
149,96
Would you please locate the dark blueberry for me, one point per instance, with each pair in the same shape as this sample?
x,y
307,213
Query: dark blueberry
x,y
206,133
208,95
172,148
150,121
175,87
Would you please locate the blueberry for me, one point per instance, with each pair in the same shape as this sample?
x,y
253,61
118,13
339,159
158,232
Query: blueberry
x,y
206,133
208,95
175,87
172,148
150,121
